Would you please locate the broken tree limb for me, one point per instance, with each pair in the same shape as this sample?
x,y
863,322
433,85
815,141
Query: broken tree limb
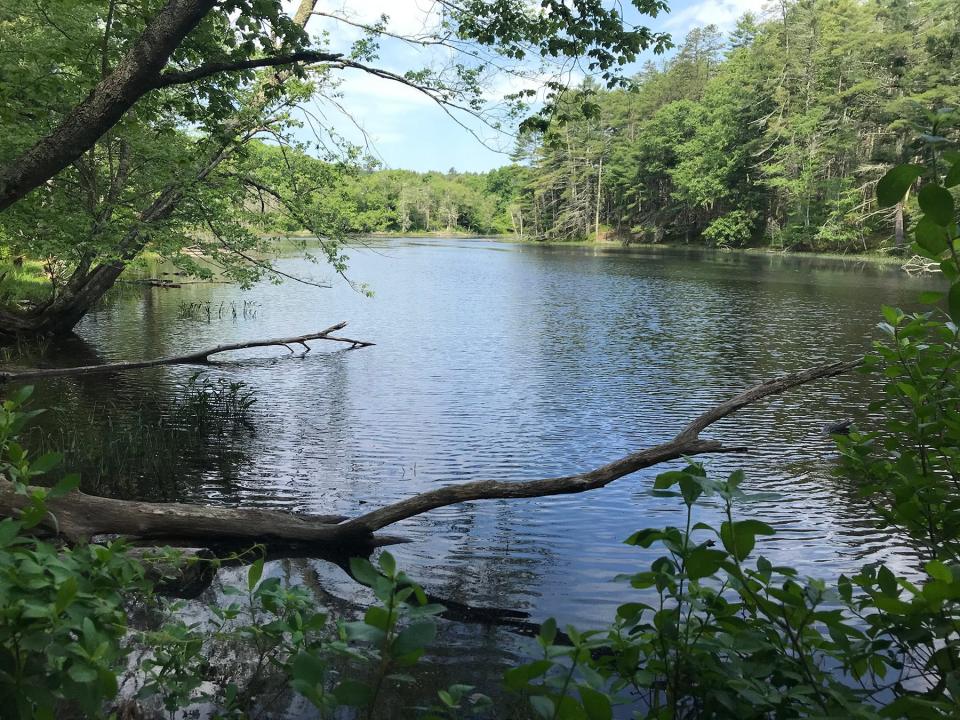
x,y
686,443
81,516
199,356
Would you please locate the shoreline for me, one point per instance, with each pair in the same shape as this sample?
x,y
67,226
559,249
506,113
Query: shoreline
x,y
871,256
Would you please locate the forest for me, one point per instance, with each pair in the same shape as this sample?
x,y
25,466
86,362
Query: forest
x,y
595,475
772,135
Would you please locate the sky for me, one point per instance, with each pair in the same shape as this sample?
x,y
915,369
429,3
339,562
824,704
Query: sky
x,y
403,128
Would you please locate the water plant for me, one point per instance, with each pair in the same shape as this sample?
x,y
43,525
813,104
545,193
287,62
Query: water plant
x,y
205,310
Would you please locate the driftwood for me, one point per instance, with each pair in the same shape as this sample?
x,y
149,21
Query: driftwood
x,y
80,516
200,356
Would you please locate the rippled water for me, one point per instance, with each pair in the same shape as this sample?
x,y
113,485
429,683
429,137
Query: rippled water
x,y
512,362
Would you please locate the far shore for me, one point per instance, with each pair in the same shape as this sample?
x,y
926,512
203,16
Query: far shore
x,y
878,256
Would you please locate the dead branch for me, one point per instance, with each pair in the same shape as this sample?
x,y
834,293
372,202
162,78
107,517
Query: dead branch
x,y
200,356
79,517
687,443
82,516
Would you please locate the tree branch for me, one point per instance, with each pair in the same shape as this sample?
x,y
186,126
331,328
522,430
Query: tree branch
x,y
200,356
107,102
183,77
80,515
684,444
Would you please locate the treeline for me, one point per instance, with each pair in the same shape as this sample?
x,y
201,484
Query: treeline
x,y
360,200
775,134
404,201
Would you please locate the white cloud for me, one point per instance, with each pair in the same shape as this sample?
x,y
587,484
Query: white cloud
x,y
722,13
405,17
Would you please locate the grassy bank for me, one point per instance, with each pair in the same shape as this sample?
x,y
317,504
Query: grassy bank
x,y
23,281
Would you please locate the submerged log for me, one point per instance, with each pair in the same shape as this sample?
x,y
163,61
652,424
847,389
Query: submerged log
x,y
199,356
79,516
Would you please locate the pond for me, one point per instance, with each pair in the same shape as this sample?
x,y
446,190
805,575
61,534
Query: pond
x,y
498,361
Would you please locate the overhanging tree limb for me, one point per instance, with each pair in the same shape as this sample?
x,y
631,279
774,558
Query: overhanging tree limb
x,y
81,515
199,356
184,77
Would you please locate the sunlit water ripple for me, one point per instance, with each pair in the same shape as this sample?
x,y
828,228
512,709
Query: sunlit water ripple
x,y
513,362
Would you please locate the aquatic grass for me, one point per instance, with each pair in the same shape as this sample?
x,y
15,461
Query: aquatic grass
x,y
158,448
206,311
25,349
218,404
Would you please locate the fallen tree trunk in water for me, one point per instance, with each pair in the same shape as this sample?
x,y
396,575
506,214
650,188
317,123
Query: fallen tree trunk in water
x,y
199,356
79,516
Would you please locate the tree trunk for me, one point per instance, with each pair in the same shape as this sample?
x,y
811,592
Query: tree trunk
x,y
901,240
86,287
136,75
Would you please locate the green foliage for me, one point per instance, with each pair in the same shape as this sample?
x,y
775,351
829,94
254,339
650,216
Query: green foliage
x,y
730,635
62,611
774,135
208,173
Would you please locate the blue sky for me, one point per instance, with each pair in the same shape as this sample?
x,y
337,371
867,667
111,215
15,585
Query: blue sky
x,y
404,128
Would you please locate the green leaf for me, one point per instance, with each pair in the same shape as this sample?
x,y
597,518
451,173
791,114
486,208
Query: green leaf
x,y
82,673
690,489
888,582
937,203
548,632
377,617
65,594
362,631
938,571
66,485
891,315
308,668
517,678
414,638
740,538
353,693
541,705
645,538
704,562
9,530
45,463
363,571
931,236
596,703
953,302
254,573
953,176
388,563
668,479
895,183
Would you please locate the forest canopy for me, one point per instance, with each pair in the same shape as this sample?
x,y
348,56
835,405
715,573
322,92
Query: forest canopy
x,y
774,134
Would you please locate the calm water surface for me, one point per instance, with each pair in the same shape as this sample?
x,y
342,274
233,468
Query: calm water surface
x,y
508,362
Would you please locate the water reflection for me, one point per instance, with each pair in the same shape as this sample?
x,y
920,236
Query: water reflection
x,y
504,362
